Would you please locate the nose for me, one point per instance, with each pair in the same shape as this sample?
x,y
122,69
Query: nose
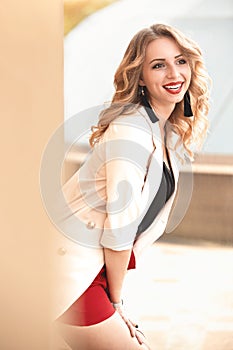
x,y
172,71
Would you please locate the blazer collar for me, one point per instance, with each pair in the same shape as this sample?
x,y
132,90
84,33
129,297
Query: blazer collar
x,y
149,110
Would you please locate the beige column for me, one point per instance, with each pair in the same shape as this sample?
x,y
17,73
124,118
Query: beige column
x,y
31,95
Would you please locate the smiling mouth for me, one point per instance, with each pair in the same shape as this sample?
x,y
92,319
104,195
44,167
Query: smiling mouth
x,y
174,88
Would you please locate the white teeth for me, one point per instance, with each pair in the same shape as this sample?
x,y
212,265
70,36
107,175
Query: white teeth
x,y
173,87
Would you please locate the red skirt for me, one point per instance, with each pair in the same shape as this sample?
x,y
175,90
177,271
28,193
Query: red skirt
x,y
94,305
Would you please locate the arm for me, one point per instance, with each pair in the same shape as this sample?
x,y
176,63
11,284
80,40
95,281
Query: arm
x,y
127,150
116,266
126,160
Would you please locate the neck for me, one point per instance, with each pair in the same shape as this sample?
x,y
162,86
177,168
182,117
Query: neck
x,y
163,112
163,115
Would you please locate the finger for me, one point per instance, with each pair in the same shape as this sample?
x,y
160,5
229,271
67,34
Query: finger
x,y
134,324
140,337
129,324
132,329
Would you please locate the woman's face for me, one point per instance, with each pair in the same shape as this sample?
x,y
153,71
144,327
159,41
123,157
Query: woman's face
x,y
165,73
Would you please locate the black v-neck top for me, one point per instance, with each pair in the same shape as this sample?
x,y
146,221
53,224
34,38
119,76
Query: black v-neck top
x,y
165,191
166,188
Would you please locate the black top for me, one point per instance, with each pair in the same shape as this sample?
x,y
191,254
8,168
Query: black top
x,y
166,189
167,185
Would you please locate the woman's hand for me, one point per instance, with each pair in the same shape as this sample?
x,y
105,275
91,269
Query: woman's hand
x,y
133,327
116,267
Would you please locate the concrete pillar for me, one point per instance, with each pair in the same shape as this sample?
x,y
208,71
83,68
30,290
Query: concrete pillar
x,y
31,93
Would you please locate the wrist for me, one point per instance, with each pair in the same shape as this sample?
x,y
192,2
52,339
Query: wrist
x,y
118,304
115,296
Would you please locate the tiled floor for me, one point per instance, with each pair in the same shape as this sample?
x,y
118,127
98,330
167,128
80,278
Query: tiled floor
x,y
182,296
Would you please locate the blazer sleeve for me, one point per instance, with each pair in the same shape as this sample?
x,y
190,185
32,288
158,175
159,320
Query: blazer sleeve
x,y
127,152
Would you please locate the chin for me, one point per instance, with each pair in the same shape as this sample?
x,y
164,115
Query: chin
x,y
176,99
180,99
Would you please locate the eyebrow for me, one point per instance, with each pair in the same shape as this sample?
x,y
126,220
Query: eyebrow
x,y
163,59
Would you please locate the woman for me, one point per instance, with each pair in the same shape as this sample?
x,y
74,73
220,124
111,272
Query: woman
x,y
122,195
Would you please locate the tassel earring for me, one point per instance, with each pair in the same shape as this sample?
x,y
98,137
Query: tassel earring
x,y
187,105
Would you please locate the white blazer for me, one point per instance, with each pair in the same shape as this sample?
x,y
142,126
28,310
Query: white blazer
x,y
103,203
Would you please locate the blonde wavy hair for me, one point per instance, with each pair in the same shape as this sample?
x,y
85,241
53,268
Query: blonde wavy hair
x,y
127,97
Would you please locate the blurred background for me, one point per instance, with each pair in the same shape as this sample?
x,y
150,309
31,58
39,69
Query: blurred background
x,y
185,297
187,301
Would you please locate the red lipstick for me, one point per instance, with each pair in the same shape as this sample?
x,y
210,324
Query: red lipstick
x,y
174,87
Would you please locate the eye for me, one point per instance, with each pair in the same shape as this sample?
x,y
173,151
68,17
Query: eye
x,y
181,61
158,66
